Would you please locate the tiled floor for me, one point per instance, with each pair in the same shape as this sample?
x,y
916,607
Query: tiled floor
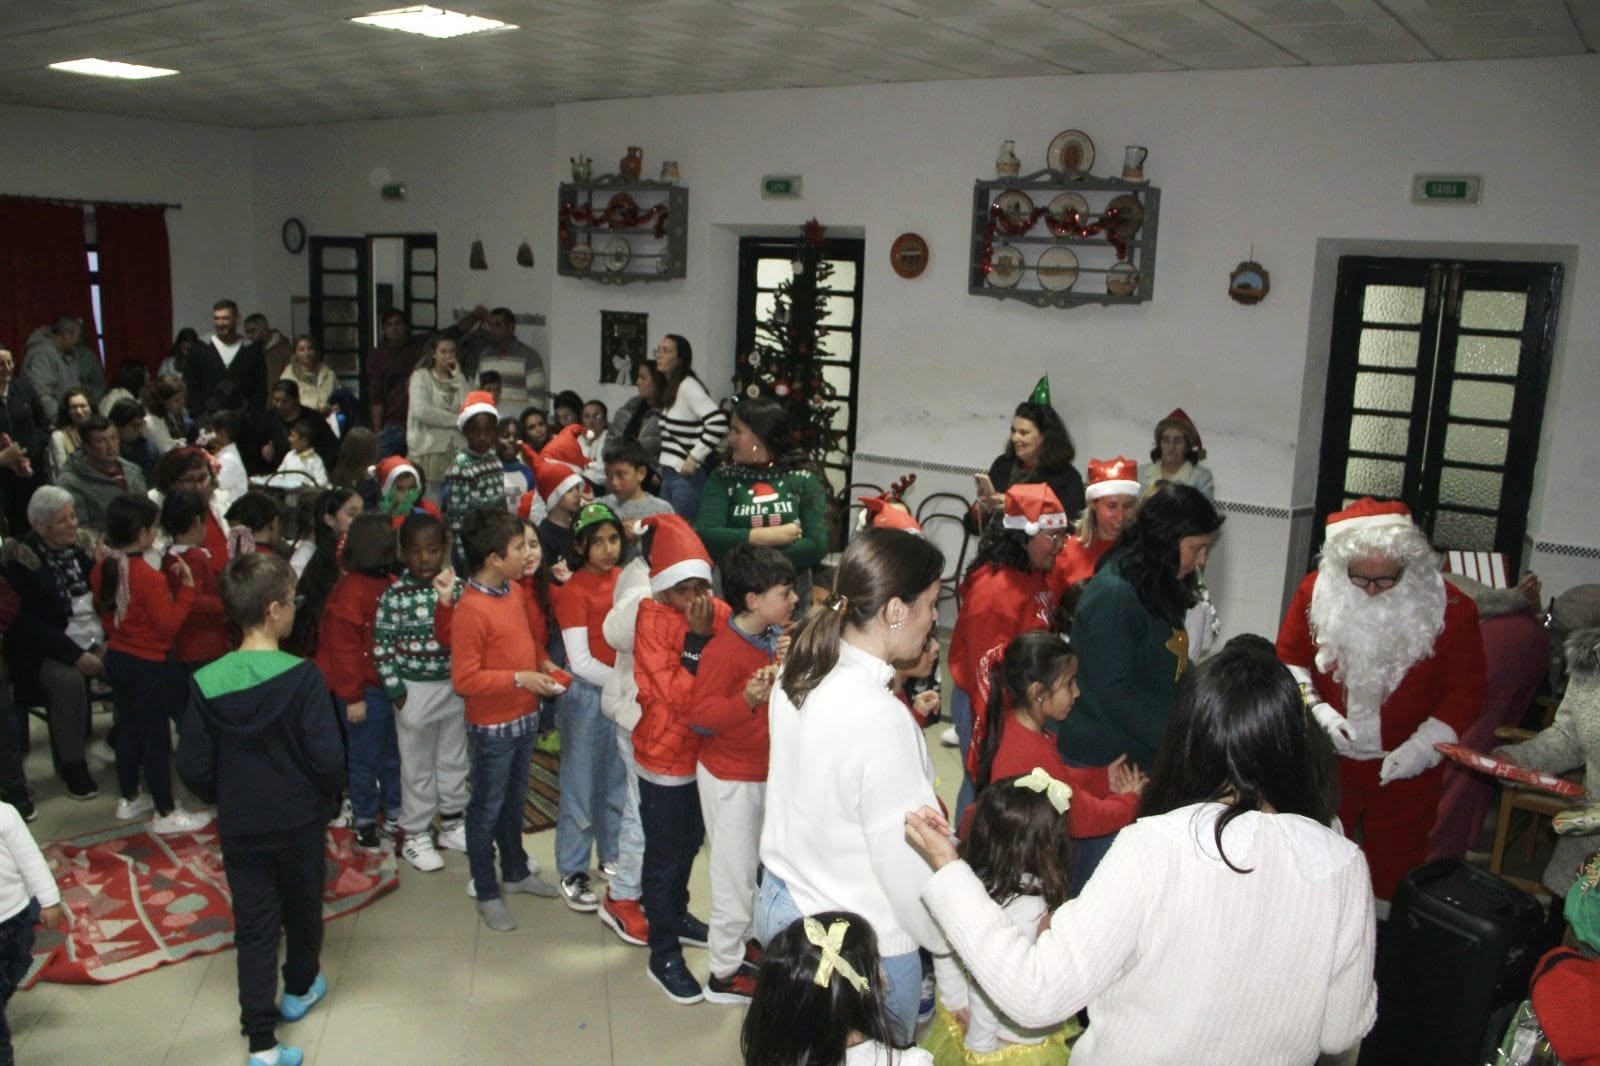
x,y
414,978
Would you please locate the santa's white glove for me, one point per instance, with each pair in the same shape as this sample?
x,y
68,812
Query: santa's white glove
x,y
1417,753
1336,725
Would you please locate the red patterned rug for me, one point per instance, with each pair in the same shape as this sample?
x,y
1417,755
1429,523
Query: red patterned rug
x,y
135,900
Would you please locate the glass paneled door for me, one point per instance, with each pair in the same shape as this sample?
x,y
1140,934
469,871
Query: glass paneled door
x,y
1436,389
341,273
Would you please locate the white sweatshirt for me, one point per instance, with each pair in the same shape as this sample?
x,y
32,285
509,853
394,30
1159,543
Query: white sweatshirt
x,y
987,1026
1181,960
843,772
24,874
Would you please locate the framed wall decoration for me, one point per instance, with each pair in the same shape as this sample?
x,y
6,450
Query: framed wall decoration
x,y
624,344
909,255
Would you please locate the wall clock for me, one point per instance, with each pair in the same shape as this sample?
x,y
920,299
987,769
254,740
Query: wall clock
x,y
294,236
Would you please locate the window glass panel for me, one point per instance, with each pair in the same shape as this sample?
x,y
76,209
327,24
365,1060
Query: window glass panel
x,y
340,338
423,259
340,312
1481,399
339,284
424,315
338,258
94,261
1385,392
1374,477
1493,310
770,273
343,364
1471,488
1468,532
1392,303
839,311
1488,355
422,287
843,276
1476,444
1390,436
1389,347
835,344
765,303
839,378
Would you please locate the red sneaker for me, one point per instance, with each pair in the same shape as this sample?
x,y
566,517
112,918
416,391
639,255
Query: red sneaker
x,y
625,918
752,955
737,989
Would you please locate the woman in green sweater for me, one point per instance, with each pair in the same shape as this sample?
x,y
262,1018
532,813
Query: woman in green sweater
x,y
765,492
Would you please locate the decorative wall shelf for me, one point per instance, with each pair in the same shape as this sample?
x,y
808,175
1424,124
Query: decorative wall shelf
x,y
616,230
1058,238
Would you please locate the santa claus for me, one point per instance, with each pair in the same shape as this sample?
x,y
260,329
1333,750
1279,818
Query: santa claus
x,y
1390,661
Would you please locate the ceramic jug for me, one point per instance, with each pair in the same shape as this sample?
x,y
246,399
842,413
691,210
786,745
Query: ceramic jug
x,y
632,163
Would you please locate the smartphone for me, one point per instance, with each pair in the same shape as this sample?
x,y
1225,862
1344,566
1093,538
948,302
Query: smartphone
x,y
985,486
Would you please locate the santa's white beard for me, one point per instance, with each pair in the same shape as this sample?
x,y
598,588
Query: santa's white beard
x,y
1368,643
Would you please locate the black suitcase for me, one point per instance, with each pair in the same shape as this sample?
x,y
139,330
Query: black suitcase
x,y
1460,943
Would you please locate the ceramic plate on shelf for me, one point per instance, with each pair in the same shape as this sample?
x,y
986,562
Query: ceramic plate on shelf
x,y
580,256
1005,266
617,254
1130,214
1070,150
1058,269
1057,214
1122,279
1016,212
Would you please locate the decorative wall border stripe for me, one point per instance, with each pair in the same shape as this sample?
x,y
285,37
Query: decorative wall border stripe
x,y
1577,551
1256,510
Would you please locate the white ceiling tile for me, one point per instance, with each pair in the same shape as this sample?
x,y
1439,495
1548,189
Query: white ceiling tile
x,y
1586,14
1337,43
1263,13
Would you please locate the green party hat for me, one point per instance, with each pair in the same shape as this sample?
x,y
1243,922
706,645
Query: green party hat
x,y
1041,392
591,514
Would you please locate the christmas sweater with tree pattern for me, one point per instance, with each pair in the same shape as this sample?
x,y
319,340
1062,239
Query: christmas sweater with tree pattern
x,y
411,637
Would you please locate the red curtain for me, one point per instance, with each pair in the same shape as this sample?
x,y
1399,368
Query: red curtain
x,y
135,284
44,268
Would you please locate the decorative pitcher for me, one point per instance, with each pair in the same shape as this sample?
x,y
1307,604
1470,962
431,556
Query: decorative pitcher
x,y
632,163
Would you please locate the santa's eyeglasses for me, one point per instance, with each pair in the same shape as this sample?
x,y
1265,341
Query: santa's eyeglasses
x,y
1383,584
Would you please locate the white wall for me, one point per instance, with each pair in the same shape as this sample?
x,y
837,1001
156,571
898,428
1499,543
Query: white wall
x,y
1274,159
207,169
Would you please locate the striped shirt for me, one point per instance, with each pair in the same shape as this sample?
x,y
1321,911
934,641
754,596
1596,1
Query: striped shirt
x,y
693,426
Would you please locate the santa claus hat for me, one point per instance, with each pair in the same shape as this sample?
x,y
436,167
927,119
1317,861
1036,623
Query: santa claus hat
x,y
1032,507
1368,513
563,447
525,505
1180,415
880,513
676,553
476,403
1112,477
555,479
390,470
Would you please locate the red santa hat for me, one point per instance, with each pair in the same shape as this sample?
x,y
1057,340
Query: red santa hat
x,y
1033,507
676,553
1368,513
1112,477
390,470
525,505
880,513
555,479
1180,415
477,403
564,447
761,492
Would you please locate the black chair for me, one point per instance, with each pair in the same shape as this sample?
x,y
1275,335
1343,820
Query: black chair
x,y
937,512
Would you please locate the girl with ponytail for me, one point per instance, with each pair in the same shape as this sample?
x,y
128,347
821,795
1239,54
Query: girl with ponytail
x,y
847,762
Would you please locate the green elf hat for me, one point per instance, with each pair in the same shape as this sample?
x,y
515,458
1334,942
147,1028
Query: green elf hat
x,y
593,514
1041,392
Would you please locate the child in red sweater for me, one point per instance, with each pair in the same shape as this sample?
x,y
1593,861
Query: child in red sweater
x,y
594,781
499,666
344,652
203,637
729,710
142,616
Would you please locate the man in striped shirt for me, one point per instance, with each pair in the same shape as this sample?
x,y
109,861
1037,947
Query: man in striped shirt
x,y
523,382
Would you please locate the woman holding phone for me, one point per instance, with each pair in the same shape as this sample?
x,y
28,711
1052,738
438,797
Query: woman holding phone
x,y
1038,450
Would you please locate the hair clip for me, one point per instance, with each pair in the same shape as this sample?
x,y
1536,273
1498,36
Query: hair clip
x,y
1059,793
839,602
829,942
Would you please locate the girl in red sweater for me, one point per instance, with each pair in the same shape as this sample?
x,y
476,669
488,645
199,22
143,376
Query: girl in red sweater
x,y
1034,684
594,783
344,652
203,637
142,616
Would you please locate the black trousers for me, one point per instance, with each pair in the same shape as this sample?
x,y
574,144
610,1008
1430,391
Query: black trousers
x,y
140,690
16,955
275,887
673,833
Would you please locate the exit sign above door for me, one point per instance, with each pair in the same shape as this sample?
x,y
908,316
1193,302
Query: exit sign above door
x,y
1458,189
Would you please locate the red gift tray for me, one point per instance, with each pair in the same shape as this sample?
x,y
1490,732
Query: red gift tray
x,y
1510,771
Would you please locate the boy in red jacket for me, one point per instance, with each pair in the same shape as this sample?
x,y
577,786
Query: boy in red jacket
x,y
729,710
499,666
672,631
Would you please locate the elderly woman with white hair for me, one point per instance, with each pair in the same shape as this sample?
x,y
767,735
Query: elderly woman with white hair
x,y
56,643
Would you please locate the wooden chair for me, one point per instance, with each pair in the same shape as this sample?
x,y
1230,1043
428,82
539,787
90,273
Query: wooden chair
x,y
1540,805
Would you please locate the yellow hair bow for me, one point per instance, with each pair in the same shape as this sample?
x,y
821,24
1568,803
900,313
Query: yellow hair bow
x,y
830,941
1059,793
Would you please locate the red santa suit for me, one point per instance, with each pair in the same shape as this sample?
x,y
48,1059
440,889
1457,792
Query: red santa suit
x,y
1445,685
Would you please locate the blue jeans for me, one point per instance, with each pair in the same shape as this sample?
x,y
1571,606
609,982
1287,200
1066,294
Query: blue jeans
x,y
683,492
391,441
776,910
630,837
961,718
494,814
373,757
594,783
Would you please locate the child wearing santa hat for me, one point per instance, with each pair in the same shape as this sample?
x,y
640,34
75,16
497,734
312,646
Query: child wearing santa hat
x,y
560,491
475,479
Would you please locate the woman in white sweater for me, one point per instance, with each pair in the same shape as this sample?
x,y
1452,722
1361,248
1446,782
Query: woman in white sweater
x,y
435,391
847,761
1228,924
692,427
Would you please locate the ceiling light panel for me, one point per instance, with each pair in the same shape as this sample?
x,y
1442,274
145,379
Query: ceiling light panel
x,y
430,21
110,68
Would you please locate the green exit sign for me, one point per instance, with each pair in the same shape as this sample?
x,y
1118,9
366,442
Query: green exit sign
x,y
780,187
1462,189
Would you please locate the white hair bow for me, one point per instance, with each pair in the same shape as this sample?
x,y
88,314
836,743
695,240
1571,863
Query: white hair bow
x,y
1059,793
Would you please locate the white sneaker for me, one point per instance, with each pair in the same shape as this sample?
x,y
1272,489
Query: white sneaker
x,y
419,852
138,807
949,738
455,837
179,820
346,817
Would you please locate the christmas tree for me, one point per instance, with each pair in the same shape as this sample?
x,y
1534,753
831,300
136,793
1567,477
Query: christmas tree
x,y
784,363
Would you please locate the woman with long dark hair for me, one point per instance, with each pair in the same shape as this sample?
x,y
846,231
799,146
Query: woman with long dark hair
x,y
1038,450
847,761
692,426
1231,870
640,418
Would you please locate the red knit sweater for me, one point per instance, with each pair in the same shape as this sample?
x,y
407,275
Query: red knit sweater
x,y
736,749
344,641
155,612
491,639
203,636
